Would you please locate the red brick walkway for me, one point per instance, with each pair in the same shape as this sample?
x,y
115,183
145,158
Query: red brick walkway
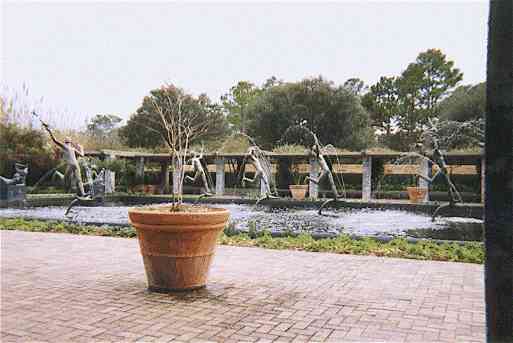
x,y
61,288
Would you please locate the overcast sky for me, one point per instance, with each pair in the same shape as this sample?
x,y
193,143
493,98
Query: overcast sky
x,y
104,57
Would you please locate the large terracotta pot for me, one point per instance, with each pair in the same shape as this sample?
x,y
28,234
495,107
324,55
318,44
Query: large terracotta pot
x,y
177,247
298,191
416,194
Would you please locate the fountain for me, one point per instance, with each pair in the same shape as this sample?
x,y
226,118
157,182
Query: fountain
x,y
263,169
95,181
263,172
435,157
317,152
95,186
199,172
334,221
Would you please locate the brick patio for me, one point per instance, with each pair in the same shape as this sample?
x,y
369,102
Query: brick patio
x,y
60,288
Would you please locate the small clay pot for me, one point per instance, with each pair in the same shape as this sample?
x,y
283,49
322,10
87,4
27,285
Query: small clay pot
x,y
177,247
298,191
416,194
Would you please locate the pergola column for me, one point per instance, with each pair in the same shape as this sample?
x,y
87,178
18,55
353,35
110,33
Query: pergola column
x,y
313,188
367,178
177,185
164,177
425,169
110,177
220,175
139,169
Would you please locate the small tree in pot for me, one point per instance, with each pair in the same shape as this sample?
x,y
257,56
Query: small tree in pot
x,y
177,241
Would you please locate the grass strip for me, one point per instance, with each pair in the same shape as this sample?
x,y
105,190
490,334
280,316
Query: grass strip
x,y
470,252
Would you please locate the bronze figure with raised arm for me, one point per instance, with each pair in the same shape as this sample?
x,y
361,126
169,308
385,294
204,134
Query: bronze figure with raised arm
x,y
437,158
69,151
325,170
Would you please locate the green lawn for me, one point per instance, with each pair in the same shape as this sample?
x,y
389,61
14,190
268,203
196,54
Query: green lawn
x,y
471,252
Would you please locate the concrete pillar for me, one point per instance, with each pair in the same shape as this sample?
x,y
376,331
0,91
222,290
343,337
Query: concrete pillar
x,y
164,177
177,184
483,177
139,169
313,188
425,169
220,176
110,177
367,179
110,181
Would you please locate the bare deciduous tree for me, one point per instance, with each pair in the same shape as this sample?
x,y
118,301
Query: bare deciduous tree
x,y
180,119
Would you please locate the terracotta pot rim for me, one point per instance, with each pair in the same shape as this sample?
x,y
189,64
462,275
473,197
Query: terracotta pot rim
x,y
298,186
186,220
210,212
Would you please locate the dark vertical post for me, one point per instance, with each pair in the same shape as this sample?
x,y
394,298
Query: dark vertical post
x,y
499,174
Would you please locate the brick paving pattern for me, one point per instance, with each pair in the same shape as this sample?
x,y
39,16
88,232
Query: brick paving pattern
x,y
68,288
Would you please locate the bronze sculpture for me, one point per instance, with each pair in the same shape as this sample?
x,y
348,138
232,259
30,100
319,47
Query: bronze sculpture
x,y
199,172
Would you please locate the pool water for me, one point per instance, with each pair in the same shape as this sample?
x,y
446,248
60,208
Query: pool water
x,y
244,218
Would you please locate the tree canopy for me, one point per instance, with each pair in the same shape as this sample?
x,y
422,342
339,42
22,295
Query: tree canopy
x,y
421,87
236,101
403,105
465,103
103,124
333,112
145,127
103,129
382,102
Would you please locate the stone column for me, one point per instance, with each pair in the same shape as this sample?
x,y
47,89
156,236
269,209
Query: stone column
x,y
110,181
110,177
177,185
313,188
367,178
220,176
139,169
425,169
164,177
